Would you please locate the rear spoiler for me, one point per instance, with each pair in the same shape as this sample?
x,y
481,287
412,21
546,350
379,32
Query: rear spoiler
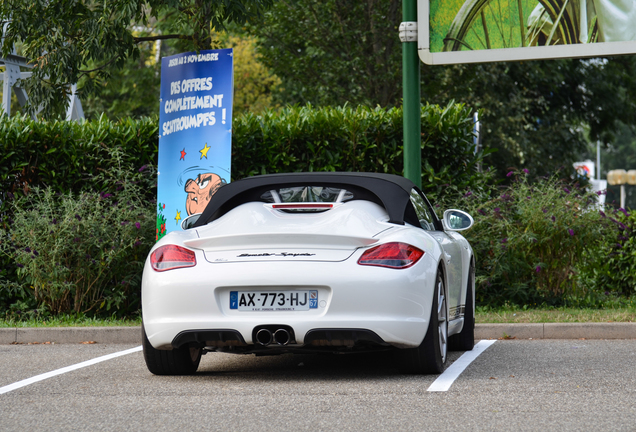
x,y
287,240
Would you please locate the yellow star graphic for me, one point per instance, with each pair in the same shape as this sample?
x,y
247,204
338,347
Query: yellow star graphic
x,y
204,151
178,217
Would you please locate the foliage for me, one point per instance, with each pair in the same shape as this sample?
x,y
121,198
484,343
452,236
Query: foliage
x,y
615,272
358,139
540,114
254,84
67,157
132,91
83,252
537,114
64,155
333,52
68,40
533,240
524,256
13,299
84,162
450,162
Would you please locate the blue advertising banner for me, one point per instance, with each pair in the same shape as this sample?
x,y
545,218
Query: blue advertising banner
x,y
195,133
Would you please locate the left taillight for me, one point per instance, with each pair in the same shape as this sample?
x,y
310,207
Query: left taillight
x,y
170,257
394,255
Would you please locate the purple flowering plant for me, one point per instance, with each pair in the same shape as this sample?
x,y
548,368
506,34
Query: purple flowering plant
x,y
533,239
76,252
616,271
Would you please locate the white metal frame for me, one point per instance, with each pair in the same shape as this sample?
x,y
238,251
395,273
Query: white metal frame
x,y
596,49
11,83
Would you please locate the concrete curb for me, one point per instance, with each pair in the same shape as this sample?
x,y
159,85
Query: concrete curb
x,y
132,335
557,331
110,335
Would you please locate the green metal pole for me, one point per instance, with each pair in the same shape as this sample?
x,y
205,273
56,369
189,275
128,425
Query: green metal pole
x,y
411,101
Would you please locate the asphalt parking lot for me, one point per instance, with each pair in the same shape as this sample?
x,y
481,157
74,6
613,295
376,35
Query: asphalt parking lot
x,y
514,384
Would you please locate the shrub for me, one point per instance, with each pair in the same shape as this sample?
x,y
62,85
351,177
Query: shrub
x,y
358,139
533,240
81,252
615,271
57,170
66,156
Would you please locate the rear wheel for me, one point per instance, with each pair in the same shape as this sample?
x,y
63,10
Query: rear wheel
x,y
430,356
465,340
181,361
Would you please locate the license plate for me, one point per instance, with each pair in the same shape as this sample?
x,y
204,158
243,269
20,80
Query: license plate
x,y
275,301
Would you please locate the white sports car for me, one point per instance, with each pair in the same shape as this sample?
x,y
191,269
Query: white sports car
x,y
311,262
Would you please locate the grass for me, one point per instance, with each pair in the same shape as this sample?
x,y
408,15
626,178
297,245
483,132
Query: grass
x,y
558,315
70,321
607,309
604,309
503,315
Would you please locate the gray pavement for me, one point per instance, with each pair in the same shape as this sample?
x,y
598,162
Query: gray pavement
x,y
515,385
132,335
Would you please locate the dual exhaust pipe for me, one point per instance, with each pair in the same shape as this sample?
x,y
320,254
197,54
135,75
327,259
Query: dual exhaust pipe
x,y
266,337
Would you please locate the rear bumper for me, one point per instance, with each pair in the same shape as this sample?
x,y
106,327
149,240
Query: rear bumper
x,y
315,339
192,305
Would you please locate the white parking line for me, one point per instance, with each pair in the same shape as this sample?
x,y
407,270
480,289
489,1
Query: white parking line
x,y
446,380
26,382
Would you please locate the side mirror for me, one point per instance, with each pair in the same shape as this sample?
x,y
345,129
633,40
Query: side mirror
x,y
457,220
189,222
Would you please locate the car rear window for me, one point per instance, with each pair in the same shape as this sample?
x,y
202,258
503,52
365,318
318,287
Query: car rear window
x,y
307,194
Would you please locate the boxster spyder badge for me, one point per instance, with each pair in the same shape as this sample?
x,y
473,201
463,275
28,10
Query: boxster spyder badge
x,y
311,262
281,254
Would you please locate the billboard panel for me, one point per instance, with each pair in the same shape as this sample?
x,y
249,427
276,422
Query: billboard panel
x,y
195,133
473,31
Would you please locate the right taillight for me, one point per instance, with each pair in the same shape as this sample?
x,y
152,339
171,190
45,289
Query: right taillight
x,y
170,257
392,255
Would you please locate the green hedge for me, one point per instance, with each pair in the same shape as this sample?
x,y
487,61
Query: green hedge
x,y
92,160
533,241
358,139
63,155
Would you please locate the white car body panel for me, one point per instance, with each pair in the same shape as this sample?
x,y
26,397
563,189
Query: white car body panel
x,y
257,248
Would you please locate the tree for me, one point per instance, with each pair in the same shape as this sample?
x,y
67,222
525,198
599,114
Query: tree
x,y
536,113
72,40
331,52
133,90
130,91
254,84
541,114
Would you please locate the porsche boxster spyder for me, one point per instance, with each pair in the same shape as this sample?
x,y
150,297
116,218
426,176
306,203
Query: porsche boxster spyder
x,y
311,262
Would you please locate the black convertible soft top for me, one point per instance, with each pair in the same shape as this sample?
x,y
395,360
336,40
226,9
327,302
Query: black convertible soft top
x,y
387,190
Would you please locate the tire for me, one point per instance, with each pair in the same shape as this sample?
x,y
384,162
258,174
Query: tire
x,y
465,340
182,361
430,356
